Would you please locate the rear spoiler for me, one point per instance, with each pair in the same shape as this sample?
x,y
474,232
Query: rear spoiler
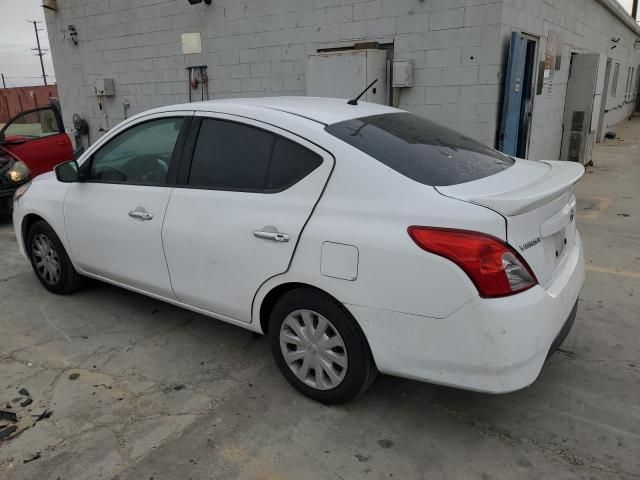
x,y
557,180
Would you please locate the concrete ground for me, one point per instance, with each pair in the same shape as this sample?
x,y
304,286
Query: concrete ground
x,y
143,390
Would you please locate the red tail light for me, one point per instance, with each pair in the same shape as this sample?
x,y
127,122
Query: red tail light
x,y
494,267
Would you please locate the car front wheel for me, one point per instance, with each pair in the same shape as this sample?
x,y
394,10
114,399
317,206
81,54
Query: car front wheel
x,y
319,347
50,261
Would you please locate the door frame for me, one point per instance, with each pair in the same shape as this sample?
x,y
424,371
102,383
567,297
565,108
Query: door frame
x,y
52,107
520,80
532,65
604,98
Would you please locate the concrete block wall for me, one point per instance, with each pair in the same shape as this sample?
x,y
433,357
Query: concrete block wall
x,y
260,47
584,26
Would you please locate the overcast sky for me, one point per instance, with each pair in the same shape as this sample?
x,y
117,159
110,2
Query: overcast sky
x,y
17,61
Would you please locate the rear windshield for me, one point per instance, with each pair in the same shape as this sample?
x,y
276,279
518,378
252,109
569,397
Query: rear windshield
x,y
420,149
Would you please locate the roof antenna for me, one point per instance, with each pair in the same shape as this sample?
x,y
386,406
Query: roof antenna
x,y
355,100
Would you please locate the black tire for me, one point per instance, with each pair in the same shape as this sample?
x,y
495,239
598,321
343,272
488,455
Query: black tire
x,y
69,280
361,370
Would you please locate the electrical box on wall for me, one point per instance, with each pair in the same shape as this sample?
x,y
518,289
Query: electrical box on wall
x,y
402,74
105,87
346,73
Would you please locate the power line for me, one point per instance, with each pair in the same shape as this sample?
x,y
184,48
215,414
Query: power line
x,y
24,76
16,54
40,54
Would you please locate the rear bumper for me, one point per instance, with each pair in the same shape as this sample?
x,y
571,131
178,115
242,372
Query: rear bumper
x,y
488,345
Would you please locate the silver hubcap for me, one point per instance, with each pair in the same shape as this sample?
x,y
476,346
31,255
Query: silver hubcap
x,y
46,260
313,349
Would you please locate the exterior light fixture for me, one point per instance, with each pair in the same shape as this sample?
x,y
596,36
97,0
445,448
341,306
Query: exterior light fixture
x,y
50,5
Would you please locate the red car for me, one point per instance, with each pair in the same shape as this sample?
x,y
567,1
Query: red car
x,y
31,143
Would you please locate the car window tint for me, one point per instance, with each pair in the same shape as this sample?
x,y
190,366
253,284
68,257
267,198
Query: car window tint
x,y
140,155
290,163
34,124
231,156
420,149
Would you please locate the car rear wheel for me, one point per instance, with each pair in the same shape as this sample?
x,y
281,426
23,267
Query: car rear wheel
x,y
50,261
319,347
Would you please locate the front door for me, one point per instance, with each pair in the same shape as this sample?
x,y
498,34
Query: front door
x,y
37,138
578,107
236,222
114,216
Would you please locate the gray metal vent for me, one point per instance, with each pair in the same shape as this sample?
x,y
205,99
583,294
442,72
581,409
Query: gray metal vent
x,y
577,121
575,146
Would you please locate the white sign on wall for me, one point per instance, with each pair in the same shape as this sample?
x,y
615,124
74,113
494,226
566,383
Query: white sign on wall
x,y
191,43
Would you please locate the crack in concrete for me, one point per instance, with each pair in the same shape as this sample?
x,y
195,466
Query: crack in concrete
x,y
552,449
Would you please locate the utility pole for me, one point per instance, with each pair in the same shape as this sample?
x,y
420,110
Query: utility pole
x,y
634,10
40,53
4,84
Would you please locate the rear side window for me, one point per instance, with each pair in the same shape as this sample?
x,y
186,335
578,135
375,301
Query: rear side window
x,y
233,156
290,163
420,149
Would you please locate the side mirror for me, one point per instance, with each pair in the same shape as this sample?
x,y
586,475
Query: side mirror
x,y
68,172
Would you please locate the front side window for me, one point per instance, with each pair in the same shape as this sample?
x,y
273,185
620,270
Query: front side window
x,y
420,149
234,156
140,155
34,124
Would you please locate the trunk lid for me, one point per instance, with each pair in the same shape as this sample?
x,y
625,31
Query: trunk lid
x,y
538,203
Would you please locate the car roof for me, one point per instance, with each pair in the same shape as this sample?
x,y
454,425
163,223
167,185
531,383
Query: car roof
x,y
319,109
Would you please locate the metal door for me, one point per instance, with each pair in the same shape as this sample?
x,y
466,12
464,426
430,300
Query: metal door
x,y
578,108
511,106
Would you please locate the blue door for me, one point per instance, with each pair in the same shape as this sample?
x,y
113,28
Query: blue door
x,y
512,104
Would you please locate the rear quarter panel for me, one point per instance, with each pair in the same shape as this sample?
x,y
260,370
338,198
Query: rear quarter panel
x,y
370,206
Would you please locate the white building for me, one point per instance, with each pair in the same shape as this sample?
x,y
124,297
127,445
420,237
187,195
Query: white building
x,y
459,51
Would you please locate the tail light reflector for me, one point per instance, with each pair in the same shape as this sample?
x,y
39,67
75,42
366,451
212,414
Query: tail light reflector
x,y
495,268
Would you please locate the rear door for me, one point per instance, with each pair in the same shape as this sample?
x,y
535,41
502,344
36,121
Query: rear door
x,y
236,219
37,137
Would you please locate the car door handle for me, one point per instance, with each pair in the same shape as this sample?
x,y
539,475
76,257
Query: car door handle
x,y
141,214
271,235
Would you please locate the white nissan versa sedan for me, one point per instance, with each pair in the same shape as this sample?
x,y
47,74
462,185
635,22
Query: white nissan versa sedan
x,y
359,238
